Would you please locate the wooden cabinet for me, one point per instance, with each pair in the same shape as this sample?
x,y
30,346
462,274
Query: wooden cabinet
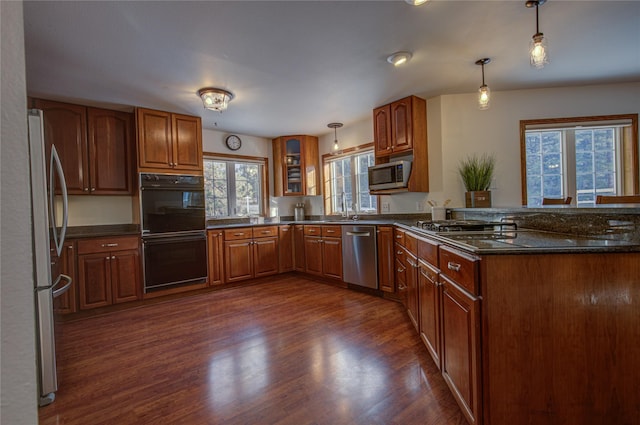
x,y
386,258
216,257
298,248
411,282
95,147
108,271
323,250
68,302
296,166
250,252
430,298
461,330
169,142
285,246
399,130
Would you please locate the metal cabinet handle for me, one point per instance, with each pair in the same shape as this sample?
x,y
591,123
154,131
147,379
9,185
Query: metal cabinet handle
x,y
398,236
400,270
238,234
453,266
86,189
399,252
109,245
113,257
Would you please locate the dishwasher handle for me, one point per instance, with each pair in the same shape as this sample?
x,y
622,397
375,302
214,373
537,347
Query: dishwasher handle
x,y
360,234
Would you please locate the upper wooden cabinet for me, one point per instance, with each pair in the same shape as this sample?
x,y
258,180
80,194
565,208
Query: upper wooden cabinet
x,y
296,170
400,129
168,142
95,146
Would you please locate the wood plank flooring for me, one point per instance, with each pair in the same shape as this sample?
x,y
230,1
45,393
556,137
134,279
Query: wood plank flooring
x,y
291,351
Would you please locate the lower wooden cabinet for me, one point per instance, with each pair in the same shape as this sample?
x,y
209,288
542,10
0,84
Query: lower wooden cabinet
x,y
386,281
285,246
323,250
216,257
68,302
461,331
298,248
108,271
429,302
411,281
250,252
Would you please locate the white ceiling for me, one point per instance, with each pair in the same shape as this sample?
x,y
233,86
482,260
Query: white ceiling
x,y
295,66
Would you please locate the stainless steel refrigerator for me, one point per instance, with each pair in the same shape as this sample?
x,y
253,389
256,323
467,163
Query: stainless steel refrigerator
x,y
48,240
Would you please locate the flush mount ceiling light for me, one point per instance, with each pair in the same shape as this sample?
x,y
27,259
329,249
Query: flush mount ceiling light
x,y
335,126
483,91
399,58
538,49
215,99
416,2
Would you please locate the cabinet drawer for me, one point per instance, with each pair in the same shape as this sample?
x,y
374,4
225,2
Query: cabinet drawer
x,y
398,236
411,243
263,232
312,230
332,231
428,251
400,254
118,243
461,268
238,233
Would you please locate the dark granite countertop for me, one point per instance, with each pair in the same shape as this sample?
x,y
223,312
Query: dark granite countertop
x,y
528,241
81,232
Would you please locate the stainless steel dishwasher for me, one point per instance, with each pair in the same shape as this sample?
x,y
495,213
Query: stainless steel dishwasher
x,y
359,255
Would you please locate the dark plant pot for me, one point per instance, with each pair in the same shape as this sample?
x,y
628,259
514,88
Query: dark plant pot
x,y
478,199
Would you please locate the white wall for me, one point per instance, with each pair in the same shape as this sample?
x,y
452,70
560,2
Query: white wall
x,y
457,128
467,130
18,388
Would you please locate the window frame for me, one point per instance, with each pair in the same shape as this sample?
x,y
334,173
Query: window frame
x,y
600,120
327,159
264,184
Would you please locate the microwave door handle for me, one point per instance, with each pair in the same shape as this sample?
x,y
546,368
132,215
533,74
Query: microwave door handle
x,y
55,162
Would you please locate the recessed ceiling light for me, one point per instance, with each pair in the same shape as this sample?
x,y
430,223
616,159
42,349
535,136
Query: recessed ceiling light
x,y
399,58
416,2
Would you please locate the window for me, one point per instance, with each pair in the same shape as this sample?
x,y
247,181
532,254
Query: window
x,y
234,187
579,157
347,182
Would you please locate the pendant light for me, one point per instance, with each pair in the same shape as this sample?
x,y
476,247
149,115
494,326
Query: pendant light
x,y
483,91
335,126
538,56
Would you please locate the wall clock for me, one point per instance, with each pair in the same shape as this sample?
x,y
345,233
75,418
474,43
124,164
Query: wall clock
x,y
233,142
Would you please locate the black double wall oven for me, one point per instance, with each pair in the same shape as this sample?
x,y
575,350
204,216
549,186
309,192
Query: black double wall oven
x,y
174,242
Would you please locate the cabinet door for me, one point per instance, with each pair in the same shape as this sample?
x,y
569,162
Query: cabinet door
x,y
94,280
460,352
313,254
216,253
265,256
401,125
412,288
67,302
65,126
285,248
382,130
429,300
293,175
155,149
311,170
187,142
332,257
125,276
384,236
110,151
401,280
299,248
239,260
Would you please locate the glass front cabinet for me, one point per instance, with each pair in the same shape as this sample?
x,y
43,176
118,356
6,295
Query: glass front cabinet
x,y
296,170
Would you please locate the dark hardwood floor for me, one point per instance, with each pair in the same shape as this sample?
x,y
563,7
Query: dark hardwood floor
x,y
291,351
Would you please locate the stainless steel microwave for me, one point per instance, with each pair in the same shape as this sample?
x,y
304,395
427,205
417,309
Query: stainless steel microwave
x,y
392,175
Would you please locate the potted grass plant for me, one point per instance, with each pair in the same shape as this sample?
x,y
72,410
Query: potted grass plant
x,y
477,174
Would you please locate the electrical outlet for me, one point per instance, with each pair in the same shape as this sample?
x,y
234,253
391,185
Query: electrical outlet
x,y
385,207
419,206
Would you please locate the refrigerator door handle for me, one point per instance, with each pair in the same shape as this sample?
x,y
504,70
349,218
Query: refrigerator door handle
x,y
62,278
58,238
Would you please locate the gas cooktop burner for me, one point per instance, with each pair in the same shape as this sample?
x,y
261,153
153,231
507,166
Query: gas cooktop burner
x,y
464,225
